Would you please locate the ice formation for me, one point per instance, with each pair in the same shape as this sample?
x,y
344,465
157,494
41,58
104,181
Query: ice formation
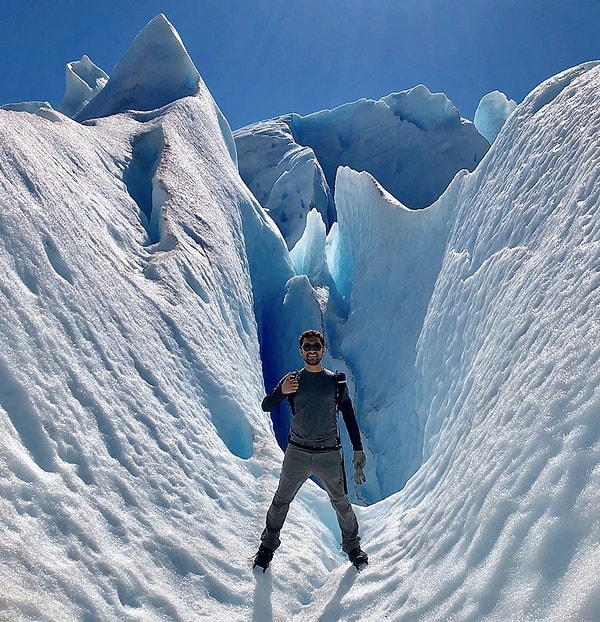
x,y
309,255
285,177
412,142
385,264
502,516
143,287
154,71
84,81
32,107
491,114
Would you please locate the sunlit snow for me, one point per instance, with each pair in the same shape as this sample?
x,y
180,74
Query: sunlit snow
x,y
148,298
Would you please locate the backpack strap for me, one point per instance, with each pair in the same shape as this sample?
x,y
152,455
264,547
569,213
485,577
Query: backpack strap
x,y
340,385
290,397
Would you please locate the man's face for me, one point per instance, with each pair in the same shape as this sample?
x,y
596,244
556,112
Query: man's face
x,y
312,350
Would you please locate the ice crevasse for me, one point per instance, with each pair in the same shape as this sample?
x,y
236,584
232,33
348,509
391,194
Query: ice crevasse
x,y
144,286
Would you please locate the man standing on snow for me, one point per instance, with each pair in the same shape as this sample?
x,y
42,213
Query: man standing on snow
x,y
315,395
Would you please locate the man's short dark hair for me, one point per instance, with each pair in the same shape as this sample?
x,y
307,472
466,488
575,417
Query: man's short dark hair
x,y
308,334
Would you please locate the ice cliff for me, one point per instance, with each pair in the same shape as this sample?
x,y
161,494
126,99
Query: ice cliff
x,y
413,142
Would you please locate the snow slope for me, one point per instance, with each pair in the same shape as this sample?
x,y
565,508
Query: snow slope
x,y
134,453
501,521
145,292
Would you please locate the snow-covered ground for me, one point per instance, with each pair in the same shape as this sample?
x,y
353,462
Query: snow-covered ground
x,y
144,293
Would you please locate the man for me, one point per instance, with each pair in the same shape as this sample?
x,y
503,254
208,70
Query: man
x,y
315,395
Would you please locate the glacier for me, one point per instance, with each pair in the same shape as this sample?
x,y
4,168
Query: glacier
x,y
285,177
84,81
413,142
149,298
157,79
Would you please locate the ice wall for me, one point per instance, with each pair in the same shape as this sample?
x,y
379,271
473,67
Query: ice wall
x,y
377,256
501,522
384,260
413,142
284,176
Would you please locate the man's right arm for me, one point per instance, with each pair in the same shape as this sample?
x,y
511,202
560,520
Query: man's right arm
x,y
288,384
274,398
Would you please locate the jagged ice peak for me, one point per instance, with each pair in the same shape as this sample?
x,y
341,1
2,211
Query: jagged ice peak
x,y
84,80
154,71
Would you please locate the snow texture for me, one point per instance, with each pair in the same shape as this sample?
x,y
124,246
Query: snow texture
x,y
147,296
501,520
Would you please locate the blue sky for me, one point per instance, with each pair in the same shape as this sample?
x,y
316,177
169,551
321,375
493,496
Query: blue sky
x,y
262,58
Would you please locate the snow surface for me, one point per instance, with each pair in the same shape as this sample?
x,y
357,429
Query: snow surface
x,y
413,142
143,287
491,114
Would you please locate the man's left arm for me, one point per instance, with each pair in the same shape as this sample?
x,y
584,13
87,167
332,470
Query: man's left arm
x,y
347,411
359,459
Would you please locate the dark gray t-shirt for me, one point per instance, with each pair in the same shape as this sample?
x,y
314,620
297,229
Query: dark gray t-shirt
x,y
314,417
314,420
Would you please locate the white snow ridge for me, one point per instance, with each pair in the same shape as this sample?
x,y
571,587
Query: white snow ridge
x,y
148,298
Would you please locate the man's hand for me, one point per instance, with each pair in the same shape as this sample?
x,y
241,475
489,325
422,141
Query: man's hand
x,y
290,383
359,460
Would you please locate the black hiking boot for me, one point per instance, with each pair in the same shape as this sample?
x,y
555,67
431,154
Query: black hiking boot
x,y
263,557
359,558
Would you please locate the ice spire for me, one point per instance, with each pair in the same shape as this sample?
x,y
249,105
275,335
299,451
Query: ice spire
x,y
84,81
491,114
155,70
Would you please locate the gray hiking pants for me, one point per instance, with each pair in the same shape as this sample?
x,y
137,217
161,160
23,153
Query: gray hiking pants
x,y
298,466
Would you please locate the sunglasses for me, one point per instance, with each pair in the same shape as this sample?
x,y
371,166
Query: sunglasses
x,y
307,347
